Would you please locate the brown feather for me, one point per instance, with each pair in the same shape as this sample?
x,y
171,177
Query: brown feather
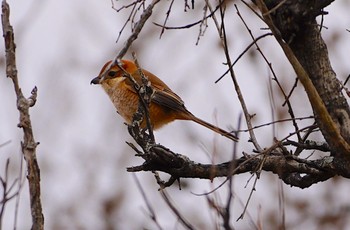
x,y
163,95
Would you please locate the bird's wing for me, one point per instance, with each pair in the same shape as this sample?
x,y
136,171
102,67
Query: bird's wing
x,y
163,95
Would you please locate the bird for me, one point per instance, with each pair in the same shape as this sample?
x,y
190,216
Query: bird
x,y
165,105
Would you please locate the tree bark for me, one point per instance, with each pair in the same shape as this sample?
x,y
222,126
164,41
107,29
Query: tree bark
x,y
312,53
297,25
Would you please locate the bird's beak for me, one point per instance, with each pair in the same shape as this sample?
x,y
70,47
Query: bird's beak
x,y
96,80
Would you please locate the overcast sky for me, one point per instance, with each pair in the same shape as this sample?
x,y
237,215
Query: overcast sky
x,y
62,45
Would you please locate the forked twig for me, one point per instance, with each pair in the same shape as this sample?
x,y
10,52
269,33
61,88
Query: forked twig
x,y
138,27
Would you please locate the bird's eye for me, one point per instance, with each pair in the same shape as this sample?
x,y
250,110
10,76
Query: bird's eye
x,y
112,73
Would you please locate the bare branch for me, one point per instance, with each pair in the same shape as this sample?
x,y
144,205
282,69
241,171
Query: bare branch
x,y
309,145
138,27
167,200
148,204
188,25
28,145
222,34
274,122
254,42
166,18
289,168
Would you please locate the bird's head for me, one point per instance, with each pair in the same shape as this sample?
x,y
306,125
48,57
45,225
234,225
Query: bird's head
x,y
112,73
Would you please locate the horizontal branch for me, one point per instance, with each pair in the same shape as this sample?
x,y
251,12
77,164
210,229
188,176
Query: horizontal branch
x,y
309,145
291,169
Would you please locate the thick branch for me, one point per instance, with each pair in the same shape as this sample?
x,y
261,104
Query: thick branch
x,y
308,55
292,170
312,53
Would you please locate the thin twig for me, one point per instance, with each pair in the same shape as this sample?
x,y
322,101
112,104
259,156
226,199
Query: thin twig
x,y
203,26
166,18
148,203
291,91
290,108
281,205
138,27
242,53
347,79
289,105
309,145
347,91
126,6
167,200
227,213
4,182
249,6
7,193
257,173
5,143
222,33
20,186
188,25
126,22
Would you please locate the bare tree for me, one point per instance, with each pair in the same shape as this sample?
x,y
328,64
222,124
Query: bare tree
x,y
301,40
293,24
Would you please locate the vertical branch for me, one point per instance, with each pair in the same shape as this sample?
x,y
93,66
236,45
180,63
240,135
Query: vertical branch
x,y
282,208
166,18
23,104
222,35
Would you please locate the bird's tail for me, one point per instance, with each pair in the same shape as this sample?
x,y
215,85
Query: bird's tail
x,y
214,128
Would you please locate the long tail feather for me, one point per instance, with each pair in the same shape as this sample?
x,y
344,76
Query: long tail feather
x,y
214,128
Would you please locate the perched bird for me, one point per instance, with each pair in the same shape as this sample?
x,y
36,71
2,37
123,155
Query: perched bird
x,y
165,106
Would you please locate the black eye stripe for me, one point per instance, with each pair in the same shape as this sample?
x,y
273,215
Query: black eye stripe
x,y
112,73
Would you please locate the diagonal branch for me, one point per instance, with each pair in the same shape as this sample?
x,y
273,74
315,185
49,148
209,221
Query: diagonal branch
x,y
138,27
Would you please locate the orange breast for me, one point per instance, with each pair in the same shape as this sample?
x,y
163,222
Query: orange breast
x,y
126,103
